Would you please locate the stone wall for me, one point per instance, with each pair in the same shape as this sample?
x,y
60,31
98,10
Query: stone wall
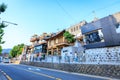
x,y
107,55
112,71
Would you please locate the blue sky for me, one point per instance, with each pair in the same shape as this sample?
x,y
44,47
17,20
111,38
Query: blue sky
x,y
38,16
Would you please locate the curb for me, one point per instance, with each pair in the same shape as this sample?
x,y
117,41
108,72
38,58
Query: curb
x,y
6,77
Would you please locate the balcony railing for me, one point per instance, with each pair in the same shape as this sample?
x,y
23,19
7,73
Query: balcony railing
x,y
34,39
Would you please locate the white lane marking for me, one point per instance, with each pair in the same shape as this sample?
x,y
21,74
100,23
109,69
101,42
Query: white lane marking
x,y
38,69
30,68
8,77
34,69
42,74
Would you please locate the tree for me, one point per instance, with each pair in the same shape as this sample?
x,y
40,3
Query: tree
x,y
17,50
69,37
0,49
2,8
2,25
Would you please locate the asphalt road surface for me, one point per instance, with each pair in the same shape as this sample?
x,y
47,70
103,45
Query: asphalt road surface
x,y
24,72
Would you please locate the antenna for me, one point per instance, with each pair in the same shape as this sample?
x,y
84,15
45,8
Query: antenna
x,y
58,29
94,14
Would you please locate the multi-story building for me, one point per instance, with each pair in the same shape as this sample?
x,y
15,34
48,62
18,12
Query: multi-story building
x,y
103,32
26,53
40,45
56,42
75,29
37,49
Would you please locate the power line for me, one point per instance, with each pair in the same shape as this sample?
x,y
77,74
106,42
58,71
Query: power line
x,y
92,12
99,9
65,10
110,5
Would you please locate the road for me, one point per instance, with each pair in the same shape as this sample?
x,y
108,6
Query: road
x,y
24,72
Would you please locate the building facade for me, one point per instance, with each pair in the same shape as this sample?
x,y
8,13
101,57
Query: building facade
x,y
55,43
37,50
103,32
75,29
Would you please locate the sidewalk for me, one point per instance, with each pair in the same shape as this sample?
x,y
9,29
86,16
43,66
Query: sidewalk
x,y
2,76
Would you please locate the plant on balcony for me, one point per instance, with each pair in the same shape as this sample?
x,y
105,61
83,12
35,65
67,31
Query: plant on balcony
x,y
69,37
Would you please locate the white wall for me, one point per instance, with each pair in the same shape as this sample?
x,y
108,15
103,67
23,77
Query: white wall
x,y
1,58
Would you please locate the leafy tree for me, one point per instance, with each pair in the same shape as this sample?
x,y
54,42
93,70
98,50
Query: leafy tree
x,y
69,37
17,50
2,25
2,8
0,49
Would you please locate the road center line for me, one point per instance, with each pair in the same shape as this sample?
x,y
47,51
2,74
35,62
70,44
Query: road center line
x,y
8,77
45,75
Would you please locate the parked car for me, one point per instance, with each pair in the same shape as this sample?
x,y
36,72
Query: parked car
x,y
6,60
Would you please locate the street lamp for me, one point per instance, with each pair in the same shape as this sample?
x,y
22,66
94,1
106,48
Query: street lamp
x,y
9,22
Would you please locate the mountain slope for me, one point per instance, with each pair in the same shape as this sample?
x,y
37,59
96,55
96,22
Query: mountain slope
x,y
6,51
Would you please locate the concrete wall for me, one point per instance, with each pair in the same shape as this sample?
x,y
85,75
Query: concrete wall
x,y
101,70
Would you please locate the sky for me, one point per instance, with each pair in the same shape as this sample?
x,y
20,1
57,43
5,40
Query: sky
x,y
38,16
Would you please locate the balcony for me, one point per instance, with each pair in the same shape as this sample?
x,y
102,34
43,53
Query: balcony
x,y
33,39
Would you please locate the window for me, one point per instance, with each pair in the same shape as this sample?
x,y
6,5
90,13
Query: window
x,y
52,42
118,28
38,49
101,35
49,43
44,49
56,40
74,28
96,36
71,30
65,51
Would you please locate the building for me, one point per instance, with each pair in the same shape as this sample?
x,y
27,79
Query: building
x,y
76,31
55,43
36,50
73,52
39,46
26,53
103,32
